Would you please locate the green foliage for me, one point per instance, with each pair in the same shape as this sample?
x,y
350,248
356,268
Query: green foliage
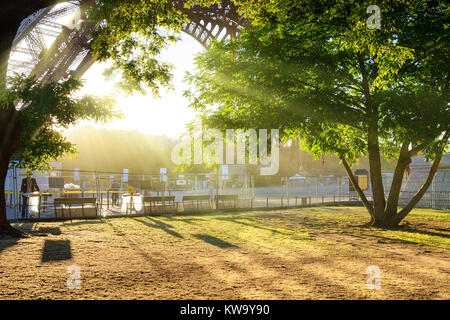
x,y
132,34
45,110
314,70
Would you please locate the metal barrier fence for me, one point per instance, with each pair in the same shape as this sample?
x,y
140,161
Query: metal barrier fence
x,y
431,199
137,194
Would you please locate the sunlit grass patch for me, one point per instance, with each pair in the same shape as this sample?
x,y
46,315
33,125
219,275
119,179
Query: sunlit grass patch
x,y
344,214
439,240
240,230
429,214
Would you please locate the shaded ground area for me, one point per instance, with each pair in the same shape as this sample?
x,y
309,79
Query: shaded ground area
x,y
307,253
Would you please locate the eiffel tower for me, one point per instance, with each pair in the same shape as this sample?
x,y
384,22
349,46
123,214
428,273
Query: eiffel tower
x,y
51,50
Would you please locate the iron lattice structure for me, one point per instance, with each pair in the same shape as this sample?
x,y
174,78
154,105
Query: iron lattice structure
x,y
51,50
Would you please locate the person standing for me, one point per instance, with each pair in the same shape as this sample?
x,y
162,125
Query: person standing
x,y
29,185
115,187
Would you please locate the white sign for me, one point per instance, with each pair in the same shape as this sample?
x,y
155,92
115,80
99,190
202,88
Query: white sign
x,y
76,174
163,171
125,175
224,171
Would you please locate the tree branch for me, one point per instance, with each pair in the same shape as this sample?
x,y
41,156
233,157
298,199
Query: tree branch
x,y
356,186
415,150
416,198
403,160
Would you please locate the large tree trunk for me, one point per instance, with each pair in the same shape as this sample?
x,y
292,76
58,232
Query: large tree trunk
x,y
13,12
376,180
394,193
10,119
373,150
390,217
10,126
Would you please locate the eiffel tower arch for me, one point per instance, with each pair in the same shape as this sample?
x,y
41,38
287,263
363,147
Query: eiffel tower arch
x,y
45,48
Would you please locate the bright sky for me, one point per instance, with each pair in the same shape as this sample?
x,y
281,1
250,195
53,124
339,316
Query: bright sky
x,y
167,115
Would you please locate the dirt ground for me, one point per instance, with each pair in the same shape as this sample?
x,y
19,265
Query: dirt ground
x,y
309,253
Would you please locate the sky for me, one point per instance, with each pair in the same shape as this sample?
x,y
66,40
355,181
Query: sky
x,y
166,115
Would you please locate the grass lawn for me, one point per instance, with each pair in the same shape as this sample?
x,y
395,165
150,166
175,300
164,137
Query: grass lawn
x,y
305,253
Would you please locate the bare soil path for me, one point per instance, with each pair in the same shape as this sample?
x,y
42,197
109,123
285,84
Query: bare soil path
x,y
309,253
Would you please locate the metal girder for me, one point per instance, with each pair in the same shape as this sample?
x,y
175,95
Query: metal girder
x,y
69,51
224,16
28,24
35,33
66,48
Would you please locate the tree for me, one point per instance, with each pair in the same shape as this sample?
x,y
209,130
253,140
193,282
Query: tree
x,y
126,34
44,109
316,71
13,12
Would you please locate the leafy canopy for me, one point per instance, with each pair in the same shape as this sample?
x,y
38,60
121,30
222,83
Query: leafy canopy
x,y
314,70
46,109
131,34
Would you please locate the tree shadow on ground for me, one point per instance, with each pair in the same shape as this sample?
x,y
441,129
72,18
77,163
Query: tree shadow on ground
x,y
188,221
26,227
385,239
7,241
215,241
56,250
160,225
155,263
254,225
413,230
56,231
270,216
84,222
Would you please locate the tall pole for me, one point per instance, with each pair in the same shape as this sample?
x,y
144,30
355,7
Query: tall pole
x,y
252,181
15,195
217,187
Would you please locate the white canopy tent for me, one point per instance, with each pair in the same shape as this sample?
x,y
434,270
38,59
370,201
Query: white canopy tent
x,y
297,177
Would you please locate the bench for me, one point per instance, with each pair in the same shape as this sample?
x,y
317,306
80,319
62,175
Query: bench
x,y
196,203
223,199
156,205
75,207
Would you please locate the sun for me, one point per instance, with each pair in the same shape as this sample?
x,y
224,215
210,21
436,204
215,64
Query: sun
x,y
166,115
